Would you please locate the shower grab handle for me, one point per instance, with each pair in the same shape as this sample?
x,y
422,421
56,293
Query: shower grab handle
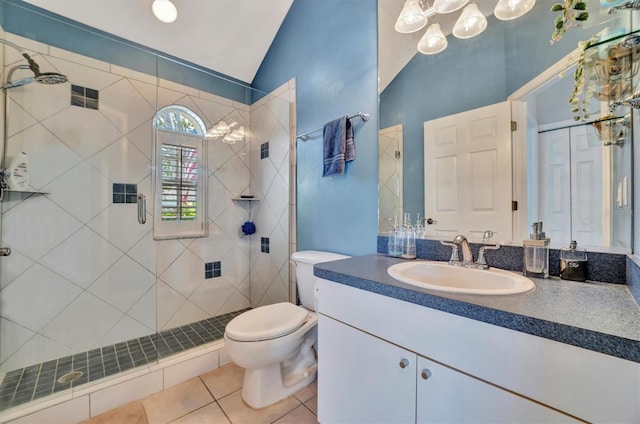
x,y
142,209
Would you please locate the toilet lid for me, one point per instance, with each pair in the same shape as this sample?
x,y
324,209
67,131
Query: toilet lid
x,y
266,322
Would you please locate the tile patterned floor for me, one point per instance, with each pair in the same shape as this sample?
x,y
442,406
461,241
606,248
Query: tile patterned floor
x,y
40,380
212,398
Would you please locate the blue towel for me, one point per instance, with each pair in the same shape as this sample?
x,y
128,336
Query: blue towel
x,y
350,149
338,146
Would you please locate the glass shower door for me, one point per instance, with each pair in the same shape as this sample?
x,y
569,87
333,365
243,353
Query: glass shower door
x,y
77,292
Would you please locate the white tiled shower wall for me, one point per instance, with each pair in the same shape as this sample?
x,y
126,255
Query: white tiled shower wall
x,y
83,273
389,177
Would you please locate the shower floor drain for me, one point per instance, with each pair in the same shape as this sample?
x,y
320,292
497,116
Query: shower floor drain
x,y
70,377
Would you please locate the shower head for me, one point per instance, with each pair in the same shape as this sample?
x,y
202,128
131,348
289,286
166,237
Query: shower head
x,y
44,77
40,77
51,78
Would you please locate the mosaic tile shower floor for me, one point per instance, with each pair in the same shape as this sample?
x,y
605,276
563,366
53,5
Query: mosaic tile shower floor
x,y
37,381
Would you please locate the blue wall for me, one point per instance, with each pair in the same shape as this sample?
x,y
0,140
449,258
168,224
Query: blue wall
x,y
41,25
468,74
330,46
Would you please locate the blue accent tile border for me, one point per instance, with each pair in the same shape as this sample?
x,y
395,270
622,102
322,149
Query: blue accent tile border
x,y
37,381
84,97
125,193
602,267
264,244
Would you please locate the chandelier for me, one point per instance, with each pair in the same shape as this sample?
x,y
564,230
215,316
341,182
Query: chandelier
x,y
415,14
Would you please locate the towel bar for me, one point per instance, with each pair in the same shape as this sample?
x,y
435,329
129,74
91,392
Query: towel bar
x,y
361,115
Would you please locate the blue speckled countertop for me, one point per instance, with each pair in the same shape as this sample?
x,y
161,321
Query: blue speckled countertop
x,y
601,317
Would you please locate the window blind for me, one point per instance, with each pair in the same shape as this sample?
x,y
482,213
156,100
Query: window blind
x,y
179,183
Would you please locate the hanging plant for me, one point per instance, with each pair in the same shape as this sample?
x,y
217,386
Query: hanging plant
x,y
572,14
582,93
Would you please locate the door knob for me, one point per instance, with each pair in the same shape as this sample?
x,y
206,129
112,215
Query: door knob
x,y
431,221
404,363
425,374
5,251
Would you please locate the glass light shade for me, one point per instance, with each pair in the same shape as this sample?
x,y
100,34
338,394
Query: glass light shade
x,y
511,9
235,136
412,18
164,11
470,23
433,41
448,6
218,130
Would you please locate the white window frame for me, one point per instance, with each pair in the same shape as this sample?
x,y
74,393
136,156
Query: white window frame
x,y
165,229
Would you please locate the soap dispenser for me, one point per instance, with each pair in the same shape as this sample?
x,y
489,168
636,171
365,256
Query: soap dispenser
x,y
573,263
394,247
409,239
535,253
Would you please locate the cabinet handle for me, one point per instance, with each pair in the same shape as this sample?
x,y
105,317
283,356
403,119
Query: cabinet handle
x,y
404,363
425,374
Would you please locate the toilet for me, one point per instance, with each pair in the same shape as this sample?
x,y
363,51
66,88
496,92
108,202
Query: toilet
x,y
275,343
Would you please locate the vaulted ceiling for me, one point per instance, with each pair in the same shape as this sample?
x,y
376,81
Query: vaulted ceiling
x,y
227,36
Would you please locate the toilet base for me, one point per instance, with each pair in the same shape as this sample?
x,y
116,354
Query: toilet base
x,y
265,386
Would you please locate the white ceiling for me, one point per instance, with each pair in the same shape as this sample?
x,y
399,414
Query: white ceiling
x,y
227,36
395,50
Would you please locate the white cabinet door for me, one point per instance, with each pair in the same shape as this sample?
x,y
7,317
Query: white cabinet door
x,y
446,395
361,379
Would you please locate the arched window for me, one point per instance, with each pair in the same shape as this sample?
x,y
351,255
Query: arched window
x,y
179,119
179,162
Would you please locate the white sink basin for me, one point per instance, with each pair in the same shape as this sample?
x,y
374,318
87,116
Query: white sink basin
x,y
443,277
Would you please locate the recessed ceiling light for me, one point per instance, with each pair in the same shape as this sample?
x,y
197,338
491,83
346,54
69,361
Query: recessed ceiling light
x,y
164,10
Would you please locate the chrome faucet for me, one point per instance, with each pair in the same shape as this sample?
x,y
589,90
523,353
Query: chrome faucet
x,y
460,243
463,244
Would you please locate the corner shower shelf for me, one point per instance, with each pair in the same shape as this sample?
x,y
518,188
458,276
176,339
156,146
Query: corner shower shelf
x,y
248,199
26,191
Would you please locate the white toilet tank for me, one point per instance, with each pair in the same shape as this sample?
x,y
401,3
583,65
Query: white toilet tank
x,y
306,281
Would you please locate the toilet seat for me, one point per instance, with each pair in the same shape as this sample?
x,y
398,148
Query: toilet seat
x,y
266,322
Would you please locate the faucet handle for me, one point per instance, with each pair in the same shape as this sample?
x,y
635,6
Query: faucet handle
x,y
481,259
455,258
488,234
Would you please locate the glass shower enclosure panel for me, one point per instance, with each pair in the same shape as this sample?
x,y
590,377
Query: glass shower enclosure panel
x,y
78,289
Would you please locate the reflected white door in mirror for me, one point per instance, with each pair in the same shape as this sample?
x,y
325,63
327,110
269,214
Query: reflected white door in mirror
x,y
467,159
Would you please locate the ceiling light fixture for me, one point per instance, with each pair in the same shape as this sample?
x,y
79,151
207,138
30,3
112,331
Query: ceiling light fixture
x,y
412,17
448,6
164,11
433,41
470,23
511,9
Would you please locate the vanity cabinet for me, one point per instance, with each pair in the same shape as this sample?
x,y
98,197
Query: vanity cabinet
x,y
373,350
367,379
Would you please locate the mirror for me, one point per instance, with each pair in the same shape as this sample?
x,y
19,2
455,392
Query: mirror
x,y
506,62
